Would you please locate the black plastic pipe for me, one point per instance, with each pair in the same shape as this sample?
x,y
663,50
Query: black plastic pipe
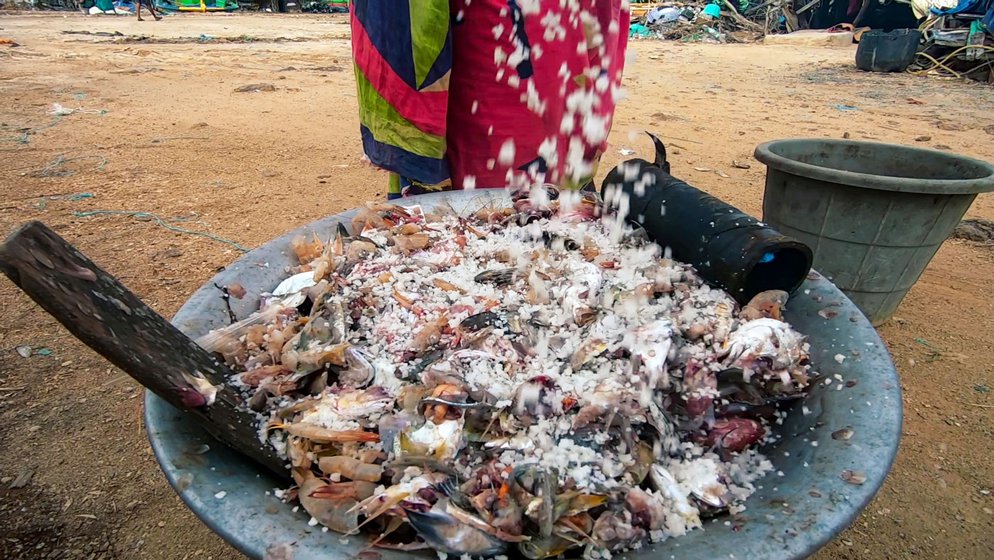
x,y
729,248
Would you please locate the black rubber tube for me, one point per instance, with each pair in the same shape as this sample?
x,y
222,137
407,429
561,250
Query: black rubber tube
x,y
729,248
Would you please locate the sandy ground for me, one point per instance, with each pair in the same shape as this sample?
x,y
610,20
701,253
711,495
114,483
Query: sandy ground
x,y
159,129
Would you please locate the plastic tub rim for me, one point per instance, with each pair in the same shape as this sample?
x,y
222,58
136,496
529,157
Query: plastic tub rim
x,y
765,154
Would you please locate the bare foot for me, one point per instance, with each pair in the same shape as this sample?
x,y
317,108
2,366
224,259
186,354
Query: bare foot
x,y
140,19
157,18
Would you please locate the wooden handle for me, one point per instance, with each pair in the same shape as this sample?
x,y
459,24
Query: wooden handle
x,y
107,317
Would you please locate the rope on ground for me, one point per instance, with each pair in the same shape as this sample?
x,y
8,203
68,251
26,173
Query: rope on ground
x,y
162,223
54,168
941,63
935,64
22,138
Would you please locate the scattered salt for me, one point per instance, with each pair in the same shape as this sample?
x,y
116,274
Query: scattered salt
x,y
652,332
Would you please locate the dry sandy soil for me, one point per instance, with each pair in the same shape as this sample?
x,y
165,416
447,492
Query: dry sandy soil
x,y
160,129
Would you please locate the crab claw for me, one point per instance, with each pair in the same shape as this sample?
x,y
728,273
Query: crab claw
x,y
734,434
191,398
199,393
765,305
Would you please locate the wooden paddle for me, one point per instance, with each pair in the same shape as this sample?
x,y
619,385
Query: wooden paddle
x,y
107,317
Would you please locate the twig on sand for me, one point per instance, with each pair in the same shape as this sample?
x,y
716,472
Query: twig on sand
x,y
168,138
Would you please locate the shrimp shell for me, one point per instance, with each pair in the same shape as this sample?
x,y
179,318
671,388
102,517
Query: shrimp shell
x,y
321,434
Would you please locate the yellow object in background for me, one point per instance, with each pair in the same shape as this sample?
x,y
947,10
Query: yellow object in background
x,y
640,9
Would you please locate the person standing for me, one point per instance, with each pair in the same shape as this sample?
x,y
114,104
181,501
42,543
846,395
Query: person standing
x,y
460,94
150,4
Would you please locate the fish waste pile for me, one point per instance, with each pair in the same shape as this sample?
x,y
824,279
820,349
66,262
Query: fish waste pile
x,y
526,381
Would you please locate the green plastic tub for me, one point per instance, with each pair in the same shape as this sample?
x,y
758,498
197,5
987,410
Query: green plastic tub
x,y
874,214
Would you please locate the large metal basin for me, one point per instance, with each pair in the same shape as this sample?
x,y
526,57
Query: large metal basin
x,y
792,516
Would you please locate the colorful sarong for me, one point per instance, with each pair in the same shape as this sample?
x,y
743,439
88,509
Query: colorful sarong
x,y
489,93
403,59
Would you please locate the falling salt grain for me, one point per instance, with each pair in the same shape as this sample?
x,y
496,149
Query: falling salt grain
x,y
506,155
220,495
476,105
469,182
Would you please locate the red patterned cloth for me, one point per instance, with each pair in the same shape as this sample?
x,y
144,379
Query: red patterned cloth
x,y
538,76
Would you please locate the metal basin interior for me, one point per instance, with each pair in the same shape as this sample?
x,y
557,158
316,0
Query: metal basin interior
x,y
795,512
